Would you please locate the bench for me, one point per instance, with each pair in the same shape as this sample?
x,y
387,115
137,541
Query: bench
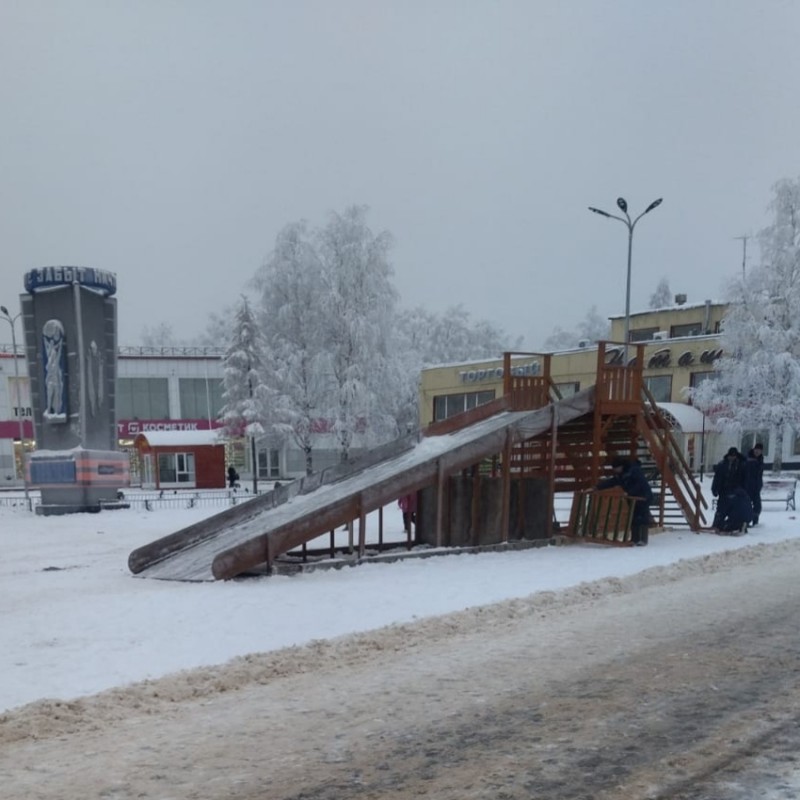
x,y
780,490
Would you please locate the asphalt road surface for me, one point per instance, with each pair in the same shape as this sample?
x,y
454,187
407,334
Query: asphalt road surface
x,y
683,682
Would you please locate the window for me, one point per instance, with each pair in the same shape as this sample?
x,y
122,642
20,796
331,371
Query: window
x,y
697,378
660,387
176,468
446,405
201,398
749,438
642,334
687,329
269,464
568,389
142,398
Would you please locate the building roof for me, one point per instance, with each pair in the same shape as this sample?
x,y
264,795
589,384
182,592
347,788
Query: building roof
x,y
674,307
179,438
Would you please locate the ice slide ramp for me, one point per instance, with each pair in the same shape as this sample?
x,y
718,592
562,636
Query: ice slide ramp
x,y
261,529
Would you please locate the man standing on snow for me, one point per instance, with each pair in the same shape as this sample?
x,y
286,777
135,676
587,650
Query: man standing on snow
x,y
629,477
728,488
754,478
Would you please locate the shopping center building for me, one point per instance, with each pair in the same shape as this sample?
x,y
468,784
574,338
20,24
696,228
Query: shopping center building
x,y
157,389
180,389
682,344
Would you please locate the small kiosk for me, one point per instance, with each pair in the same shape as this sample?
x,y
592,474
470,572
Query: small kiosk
x,y
181,459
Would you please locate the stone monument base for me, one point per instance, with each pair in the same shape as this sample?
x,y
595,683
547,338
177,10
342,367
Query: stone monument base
x,y
78,480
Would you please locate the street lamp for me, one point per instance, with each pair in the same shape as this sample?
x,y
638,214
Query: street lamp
x,y
622,204
11,320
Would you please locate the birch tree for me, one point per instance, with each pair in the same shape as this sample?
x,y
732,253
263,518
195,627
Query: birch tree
x,y
758,377
291,287
425,338
662,296
593,328
358,309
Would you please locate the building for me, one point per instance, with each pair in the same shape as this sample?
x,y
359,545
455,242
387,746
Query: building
x,y
181,459
157,390
682,344
180,389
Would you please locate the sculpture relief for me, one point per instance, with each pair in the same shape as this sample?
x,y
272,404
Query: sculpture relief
x,y
95,374
55,383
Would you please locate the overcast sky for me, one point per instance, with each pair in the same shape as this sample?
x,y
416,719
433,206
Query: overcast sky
x,y
168,141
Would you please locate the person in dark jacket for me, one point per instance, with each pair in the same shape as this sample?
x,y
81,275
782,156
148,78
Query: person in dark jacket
x,y
628,475
233,476
728,487
754,478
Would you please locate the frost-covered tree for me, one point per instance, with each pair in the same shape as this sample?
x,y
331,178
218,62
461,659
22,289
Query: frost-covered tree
x,y
454,336
291,287
247,398
158,335
662,296
217,329
340,352
593,327
358,307
758,380
424,338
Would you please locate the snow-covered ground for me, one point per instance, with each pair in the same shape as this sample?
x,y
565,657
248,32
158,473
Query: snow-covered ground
x,y
75,621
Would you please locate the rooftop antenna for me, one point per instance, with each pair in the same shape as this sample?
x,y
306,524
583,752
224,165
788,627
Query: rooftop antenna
x,y
744,252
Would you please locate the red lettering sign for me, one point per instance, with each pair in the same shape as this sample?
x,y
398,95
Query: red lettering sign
x,y
129,428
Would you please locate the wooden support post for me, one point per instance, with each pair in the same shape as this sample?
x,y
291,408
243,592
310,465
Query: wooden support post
x,y
506,509
380,528
333,544
476,505
440,478
362,530
663,467
551,477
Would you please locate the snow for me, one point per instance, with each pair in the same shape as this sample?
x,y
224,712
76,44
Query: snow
x,y
76,622
178,438
689,419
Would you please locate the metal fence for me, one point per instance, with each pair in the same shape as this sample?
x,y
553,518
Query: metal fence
x,y
147,500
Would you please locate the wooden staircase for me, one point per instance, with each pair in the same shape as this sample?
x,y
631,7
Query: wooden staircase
x,y
625,422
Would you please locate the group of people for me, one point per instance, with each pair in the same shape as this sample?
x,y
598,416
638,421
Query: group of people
x,y
737,485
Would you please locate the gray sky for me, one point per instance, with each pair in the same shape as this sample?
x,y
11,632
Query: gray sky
x,y
169,140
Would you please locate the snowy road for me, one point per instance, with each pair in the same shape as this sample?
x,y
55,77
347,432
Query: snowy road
x,y
682,682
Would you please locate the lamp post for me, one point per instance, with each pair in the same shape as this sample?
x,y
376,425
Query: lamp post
x,y
11,321
622,204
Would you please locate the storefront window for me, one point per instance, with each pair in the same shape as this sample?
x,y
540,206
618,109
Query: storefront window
x,y
142,398
660,387
696,378
269,464
447,405
176,468
201,398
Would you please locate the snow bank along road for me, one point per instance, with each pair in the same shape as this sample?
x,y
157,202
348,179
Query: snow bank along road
x,y
680,682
